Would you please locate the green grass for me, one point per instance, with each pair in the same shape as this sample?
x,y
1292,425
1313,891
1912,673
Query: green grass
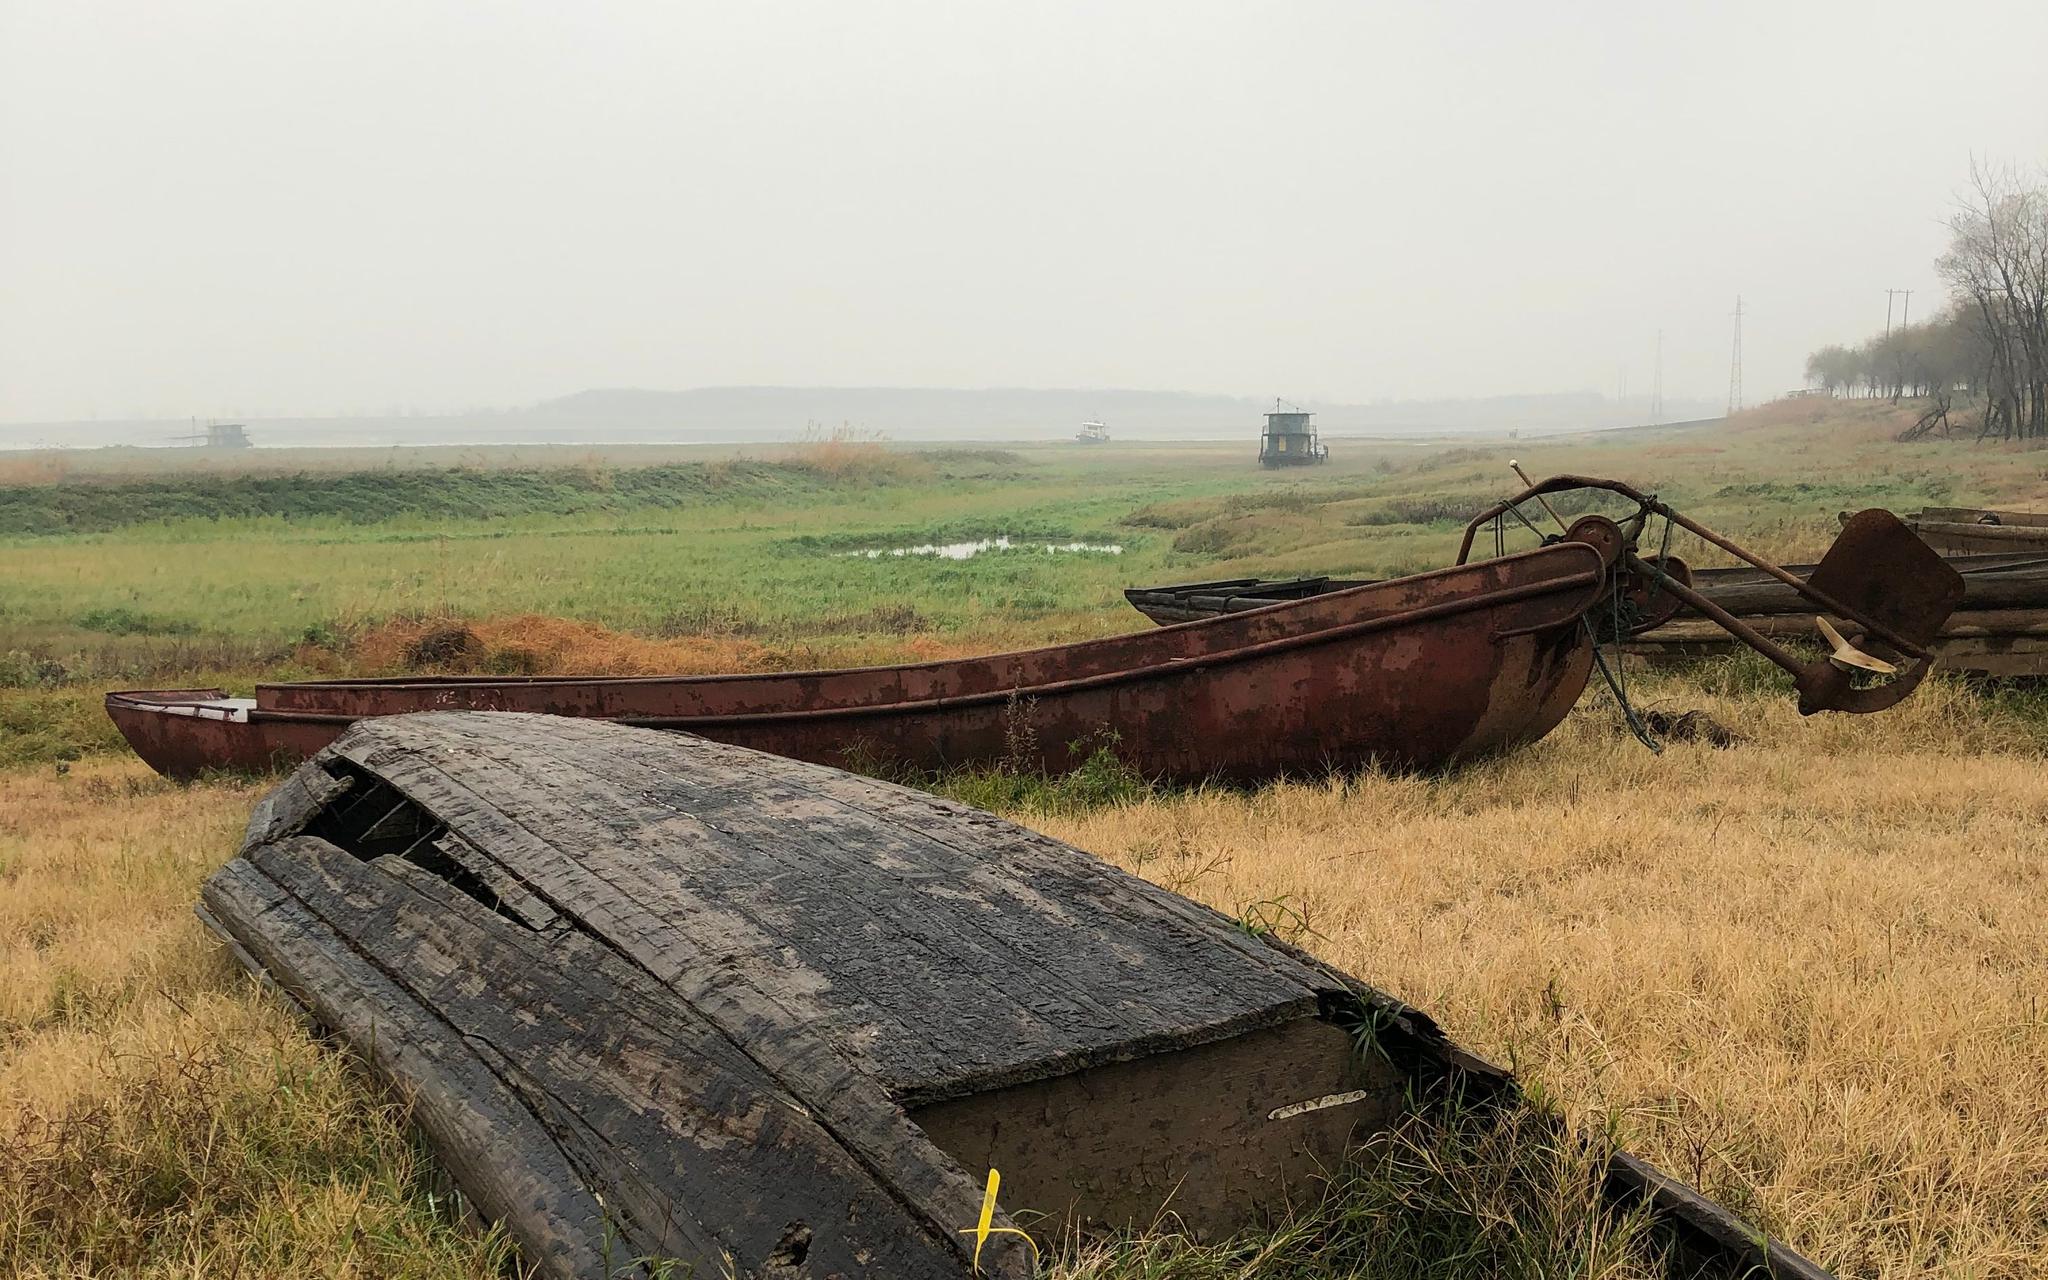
x,y
378,497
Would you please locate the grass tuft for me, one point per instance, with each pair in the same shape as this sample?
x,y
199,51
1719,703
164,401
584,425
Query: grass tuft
x,y
1475,1195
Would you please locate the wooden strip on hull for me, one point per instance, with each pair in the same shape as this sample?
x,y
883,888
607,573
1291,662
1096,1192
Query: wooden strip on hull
x,y
1414,673
597,1115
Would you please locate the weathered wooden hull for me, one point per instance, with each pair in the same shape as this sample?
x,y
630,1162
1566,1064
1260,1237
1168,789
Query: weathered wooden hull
x,y
656,998
1413,672
2001,628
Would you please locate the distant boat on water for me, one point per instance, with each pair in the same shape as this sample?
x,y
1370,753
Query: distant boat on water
x,y
1092,433
219,435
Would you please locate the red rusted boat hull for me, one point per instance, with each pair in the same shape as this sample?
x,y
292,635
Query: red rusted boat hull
x,y
1414,672
169,730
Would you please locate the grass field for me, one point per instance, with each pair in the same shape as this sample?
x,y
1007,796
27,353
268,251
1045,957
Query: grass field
x,y
1804,972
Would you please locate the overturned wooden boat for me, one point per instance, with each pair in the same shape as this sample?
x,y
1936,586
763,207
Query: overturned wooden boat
x,y
1412,672
667,1006
1999,629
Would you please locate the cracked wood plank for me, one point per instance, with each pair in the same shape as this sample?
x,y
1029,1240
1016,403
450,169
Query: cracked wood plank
x,y
945,950
574,1098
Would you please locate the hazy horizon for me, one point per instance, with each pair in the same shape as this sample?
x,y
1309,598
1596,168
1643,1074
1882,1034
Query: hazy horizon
x,y
292,211
765,415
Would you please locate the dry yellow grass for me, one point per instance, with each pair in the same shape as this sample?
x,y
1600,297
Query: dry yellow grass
x,y
1806,973
159,1116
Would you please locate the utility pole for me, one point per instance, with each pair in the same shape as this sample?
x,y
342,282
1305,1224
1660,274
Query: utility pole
x,y
1657,385
1735,362
1904,320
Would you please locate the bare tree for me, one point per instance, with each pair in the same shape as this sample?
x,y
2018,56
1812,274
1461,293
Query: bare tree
x,y
1997,266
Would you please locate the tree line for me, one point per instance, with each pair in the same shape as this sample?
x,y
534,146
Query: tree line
x,y
1989,345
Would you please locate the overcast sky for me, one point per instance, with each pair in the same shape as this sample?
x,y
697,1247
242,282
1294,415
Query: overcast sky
x,y
287,207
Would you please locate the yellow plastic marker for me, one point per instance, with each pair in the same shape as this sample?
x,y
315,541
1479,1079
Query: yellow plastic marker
x,y
981,1231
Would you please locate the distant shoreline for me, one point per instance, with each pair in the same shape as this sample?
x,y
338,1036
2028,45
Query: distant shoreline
x,y
280,438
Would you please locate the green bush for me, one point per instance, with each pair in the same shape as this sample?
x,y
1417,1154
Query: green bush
x,y
121,621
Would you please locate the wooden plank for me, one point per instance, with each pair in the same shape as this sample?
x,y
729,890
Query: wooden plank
x,y
292,804
1708,1239
1972,515
2020,589
1216,1135
602,1118
496,1150
811,887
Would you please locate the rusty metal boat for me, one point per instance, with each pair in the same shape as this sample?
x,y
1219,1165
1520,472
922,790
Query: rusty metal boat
x,y
1418,671
1412,672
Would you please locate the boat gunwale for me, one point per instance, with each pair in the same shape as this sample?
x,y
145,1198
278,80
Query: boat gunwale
x,y
527,682
1592,579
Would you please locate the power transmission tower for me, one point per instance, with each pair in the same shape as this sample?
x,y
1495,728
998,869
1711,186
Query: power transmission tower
x,y
1735,362
1657,385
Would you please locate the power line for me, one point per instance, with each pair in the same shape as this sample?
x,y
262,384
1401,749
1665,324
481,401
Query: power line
x,y
1735,362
